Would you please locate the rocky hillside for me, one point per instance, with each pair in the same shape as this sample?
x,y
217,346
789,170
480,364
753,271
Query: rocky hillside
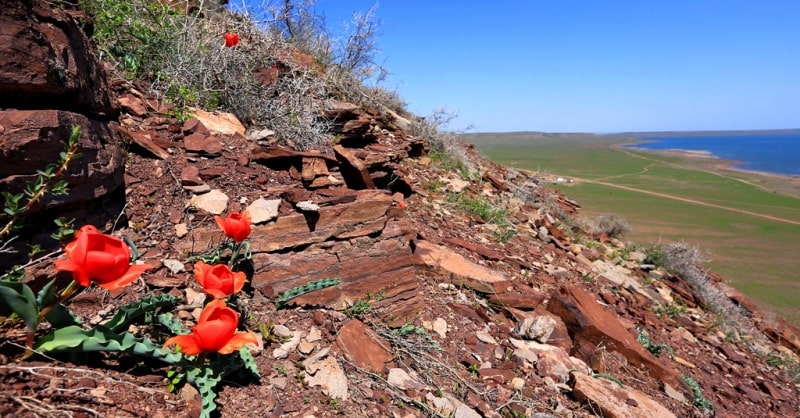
x,y
464,288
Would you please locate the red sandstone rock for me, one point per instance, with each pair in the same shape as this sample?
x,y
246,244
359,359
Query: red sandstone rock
x,y
355,173
460,270
590,325
614,401
363,346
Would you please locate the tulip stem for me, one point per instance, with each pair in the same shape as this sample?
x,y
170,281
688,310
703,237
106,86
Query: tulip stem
x,y
235,255
237,248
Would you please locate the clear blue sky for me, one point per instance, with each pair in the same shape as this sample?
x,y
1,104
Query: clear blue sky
x,y
592,66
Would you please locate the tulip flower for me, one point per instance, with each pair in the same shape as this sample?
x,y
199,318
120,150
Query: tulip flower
x,y
218,280
231,39
215,332
100,258
235,225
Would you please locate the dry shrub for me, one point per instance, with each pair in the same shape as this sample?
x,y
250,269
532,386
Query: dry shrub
x,y
183,58
613,225
687,262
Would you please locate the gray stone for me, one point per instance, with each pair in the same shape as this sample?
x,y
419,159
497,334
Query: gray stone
x,y
307,206
174,266
327,373
263,210
214,202
536,328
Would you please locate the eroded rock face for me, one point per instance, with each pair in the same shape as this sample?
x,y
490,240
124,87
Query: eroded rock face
x,y
32,139
50,81
46,60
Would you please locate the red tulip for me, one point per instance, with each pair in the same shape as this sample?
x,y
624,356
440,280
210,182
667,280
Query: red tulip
x,y
100,258
218,280
231,39
215,332
236,225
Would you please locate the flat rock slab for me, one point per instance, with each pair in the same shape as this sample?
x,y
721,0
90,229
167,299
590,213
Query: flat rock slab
x,y
590,325
365,215
614,401
379,267
363,346
219,122
460,270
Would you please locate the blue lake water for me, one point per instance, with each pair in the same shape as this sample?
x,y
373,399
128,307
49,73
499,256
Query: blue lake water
x,y
772,153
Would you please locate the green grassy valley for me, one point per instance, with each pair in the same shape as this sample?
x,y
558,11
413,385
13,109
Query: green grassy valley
x,y
749,223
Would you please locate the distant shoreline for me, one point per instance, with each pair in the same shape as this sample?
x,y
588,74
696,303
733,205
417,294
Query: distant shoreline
x,y
706,161
721,163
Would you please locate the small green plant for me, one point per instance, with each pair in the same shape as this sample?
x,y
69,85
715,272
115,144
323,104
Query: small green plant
x,y
405,330
483,208
698,400
473,369
281,369
671,310
608,377
508,412
789,365
449,163
655,255
358,309
16,204
654,348
435,186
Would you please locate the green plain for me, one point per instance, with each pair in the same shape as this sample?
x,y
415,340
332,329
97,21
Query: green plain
x,y
754,253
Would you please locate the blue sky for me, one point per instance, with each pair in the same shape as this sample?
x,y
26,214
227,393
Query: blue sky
x,y
592,66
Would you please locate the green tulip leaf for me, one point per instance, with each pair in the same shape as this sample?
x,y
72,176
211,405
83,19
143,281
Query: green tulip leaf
x,y
59,316
249,361
173,325
76,339
19,298
132,311
205,379
47,295
306,288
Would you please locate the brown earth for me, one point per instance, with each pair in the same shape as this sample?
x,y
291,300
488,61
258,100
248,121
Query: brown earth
x,y
433,315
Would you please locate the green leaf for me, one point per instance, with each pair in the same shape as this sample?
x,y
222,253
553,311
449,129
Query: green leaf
x,y
173,325
60,316
130,312
134,250
249,361
205,379
306,288
20,299
100,338
47,295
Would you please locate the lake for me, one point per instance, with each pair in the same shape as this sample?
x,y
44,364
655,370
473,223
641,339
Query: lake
x,y
772,153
